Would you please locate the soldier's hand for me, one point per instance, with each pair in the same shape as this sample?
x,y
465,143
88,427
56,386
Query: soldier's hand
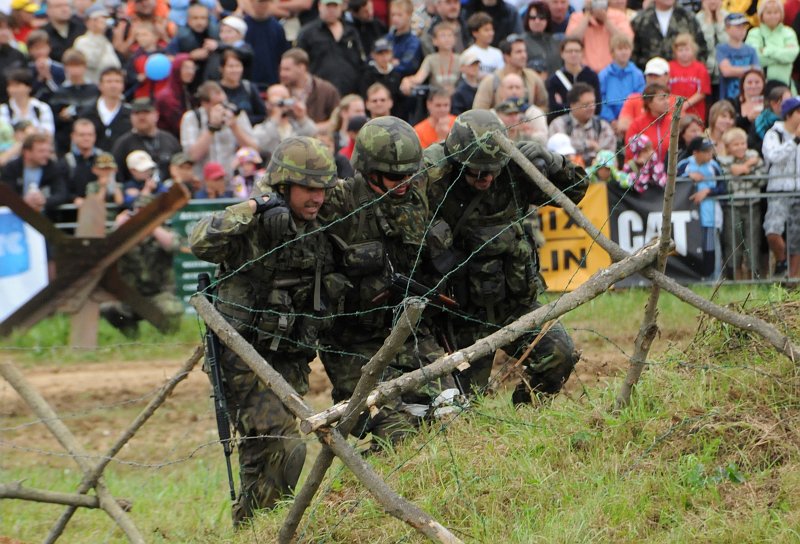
x,y
548,163
260,204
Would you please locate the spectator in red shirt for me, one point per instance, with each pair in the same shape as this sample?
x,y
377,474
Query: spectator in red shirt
x,y
688,77
654,122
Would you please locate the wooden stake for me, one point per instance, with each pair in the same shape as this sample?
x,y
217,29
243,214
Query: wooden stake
x,y
370,375
90,478
649,327
393,503
49,417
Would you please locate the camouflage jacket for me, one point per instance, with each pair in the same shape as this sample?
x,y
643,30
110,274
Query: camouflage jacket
x,y
276,278
648,41
148,267
373,236
491,257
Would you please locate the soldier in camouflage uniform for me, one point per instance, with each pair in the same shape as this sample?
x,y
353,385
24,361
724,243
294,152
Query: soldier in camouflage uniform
x,y
490,260
275,278
147,268
377,222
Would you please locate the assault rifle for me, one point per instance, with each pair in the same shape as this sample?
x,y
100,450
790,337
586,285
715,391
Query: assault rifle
x,y
404,286
218,394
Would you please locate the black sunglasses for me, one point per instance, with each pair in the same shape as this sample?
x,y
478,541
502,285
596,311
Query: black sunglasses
x,y
540,16
395,177
480,174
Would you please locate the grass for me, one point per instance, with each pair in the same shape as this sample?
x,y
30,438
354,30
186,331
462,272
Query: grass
x,y
707,452
48,341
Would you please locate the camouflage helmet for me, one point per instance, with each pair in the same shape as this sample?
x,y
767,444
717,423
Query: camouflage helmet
x,y
301,160
470,141
387,144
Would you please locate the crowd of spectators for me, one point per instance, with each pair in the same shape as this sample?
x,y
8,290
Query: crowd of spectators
x,y
598,76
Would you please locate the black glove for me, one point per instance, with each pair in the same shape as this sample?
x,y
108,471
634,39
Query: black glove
x,y
273,200
549,164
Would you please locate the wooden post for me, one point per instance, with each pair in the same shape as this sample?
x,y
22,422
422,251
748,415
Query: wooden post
x,y
49,417
392,503
84,322
649,327
370,375
91,477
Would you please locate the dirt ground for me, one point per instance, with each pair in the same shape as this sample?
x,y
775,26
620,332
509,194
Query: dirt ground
x,y
76,385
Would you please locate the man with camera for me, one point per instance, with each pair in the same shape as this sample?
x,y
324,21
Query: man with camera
x,y
215,130
319,95
286,117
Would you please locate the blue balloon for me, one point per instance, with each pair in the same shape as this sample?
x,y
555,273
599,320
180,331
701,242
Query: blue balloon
x,y
157,67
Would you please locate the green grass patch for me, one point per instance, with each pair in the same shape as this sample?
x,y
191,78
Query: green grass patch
x,y
707,451
48,341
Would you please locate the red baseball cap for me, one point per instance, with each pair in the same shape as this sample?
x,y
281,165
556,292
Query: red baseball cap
x,y
213,170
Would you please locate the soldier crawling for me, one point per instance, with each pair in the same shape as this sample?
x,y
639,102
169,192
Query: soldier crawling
x,y
486,255
275,278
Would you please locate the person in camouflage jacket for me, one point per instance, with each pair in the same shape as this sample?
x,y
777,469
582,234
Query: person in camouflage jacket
x,y
275,281
377,222
148,269
490,261
649,42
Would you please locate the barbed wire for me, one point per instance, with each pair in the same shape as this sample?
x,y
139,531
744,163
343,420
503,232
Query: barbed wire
x,y
442,427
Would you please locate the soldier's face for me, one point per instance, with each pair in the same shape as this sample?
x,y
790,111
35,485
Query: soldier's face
x,y
396,184
305,202
479,179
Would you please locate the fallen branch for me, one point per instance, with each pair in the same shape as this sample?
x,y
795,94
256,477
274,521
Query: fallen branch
x,y
649,327
593,287
90,478
370,375
393,503
68,441
780,341
16,491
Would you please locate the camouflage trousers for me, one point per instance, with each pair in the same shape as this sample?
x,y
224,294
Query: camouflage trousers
x,y
271,454
343,362
122,316
546,368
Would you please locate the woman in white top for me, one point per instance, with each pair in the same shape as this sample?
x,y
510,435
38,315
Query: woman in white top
x,y
21,106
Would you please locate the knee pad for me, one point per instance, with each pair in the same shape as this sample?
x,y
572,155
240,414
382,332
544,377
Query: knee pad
x,y
293,464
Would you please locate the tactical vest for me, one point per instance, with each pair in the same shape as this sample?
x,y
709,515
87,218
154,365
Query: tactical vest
x,y
499,265
370,243
287,294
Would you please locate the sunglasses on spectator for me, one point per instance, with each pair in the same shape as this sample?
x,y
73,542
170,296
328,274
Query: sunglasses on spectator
x,y
540,16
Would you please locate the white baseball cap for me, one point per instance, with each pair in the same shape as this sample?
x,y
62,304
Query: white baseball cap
x,y
236,23
139,160
656,67
561,144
